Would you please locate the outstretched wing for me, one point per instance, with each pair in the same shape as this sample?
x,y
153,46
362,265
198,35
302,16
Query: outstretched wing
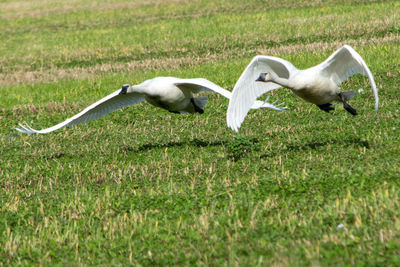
x,y
247,90
198,85
344,63
102,107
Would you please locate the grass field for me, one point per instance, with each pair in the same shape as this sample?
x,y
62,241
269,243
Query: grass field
x,y
142,186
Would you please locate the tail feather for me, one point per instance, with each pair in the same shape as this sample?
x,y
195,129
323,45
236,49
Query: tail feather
x,y
201,101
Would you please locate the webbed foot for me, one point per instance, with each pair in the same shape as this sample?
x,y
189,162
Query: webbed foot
x,y
326,107
346,106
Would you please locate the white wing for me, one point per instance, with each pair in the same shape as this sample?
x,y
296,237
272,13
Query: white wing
x,y
198,85
344,63
247,90
102,107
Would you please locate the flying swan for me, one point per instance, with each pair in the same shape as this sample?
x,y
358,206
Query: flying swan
x,y
170,93
318,85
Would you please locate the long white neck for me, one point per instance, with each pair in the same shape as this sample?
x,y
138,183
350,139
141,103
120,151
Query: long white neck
x,y
135,88
281,81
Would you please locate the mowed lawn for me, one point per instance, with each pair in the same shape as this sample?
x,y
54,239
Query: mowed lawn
x,y
143,186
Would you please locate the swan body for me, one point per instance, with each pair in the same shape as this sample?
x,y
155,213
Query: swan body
x,y
308,86
319,85
170,93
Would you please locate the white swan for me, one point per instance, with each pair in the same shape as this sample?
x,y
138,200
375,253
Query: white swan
x,y
170,93
318,85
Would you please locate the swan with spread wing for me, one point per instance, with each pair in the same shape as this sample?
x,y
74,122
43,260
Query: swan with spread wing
x,y
318,85
170,93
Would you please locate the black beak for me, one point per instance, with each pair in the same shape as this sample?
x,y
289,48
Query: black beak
x,y
124,89
261,78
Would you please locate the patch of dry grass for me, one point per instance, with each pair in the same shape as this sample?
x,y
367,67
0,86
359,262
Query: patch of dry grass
x,y
318,47
15,9
41,62
56,74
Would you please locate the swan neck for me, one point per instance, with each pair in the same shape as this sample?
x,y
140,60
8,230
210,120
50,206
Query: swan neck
x,y
135,89
282,81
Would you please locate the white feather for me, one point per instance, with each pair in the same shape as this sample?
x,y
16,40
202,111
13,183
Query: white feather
x,y
317,84
170,93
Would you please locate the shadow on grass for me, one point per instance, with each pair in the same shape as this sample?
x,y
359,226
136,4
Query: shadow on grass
x,y
194,143
346,142
352,141
12,135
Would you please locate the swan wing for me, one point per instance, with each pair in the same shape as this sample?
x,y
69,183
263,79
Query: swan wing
x,y
100,108
344,63
198,85
247,90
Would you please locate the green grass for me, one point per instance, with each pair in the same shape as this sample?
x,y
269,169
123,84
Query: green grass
x,y
142,186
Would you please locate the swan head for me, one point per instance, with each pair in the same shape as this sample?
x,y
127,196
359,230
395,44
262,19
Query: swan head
x,y
265,77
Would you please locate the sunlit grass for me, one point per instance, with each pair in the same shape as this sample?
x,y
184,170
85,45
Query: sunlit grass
x,y
142,186
128,39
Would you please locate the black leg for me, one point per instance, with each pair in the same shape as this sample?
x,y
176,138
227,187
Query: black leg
x,y
326,107
346,106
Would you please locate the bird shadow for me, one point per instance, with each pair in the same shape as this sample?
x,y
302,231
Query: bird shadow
x,y
194,143
9,136
353,141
